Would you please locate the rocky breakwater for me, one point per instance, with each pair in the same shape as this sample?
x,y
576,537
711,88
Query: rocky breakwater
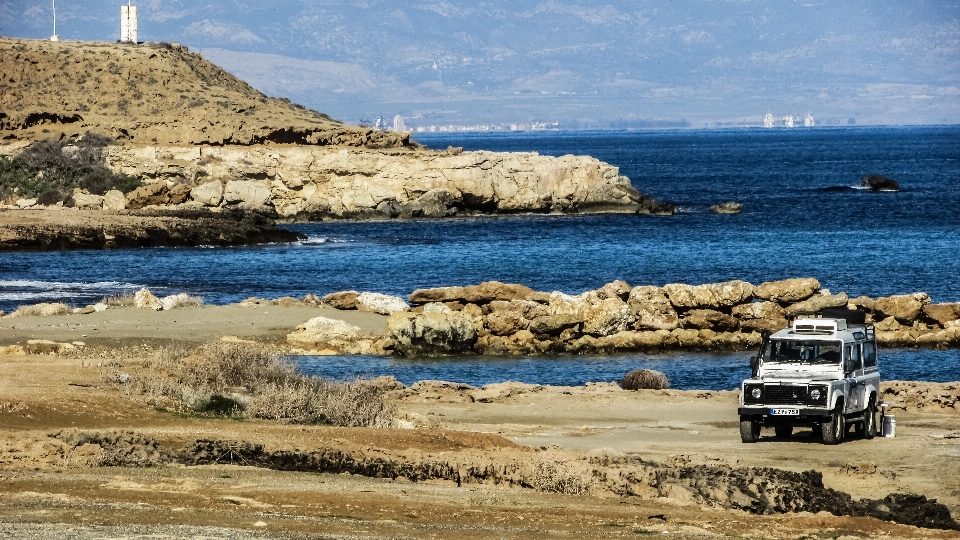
x,y
317,182
509,319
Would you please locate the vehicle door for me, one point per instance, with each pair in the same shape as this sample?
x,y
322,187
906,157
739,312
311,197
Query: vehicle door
x,y
853,372
871,371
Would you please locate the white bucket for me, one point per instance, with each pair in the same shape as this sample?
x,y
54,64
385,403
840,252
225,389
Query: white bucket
x,y
889,425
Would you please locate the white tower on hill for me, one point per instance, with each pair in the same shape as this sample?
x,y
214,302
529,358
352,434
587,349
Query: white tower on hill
x,y
398,124
54,37
128,23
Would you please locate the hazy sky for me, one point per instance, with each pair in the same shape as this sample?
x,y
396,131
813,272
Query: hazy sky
x,y
875,61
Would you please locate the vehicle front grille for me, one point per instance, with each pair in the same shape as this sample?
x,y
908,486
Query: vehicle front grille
x,y
775,394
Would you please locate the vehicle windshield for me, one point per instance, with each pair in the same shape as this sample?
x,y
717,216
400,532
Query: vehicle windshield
x,y
791,351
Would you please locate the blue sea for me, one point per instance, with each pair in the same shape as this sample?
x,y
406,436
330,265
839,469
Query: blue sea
x,y
804,215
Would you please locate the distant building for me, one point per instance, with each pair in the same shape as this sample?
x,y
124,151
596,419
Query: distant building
x,y
808,120
128,24
398,124
768,121
788,121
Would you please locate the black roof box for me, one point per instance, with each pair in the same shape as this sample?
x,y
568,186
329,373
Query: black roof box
x,y
852,316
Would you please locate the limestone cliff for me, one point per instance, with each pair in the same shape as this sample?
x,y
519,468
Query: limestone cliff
x,y
312,182
151,93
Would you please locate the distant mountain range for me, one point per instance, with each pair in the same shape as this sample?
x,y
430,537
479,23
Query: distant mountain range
x,y
584,63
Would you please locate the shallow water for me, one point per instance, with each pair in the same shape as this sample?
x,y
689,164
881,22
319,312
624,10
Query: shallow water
x,y
686,371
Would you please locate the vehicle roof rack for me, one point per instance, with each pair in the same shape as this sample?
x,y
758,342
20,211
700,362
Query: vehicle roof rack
x,y
852,316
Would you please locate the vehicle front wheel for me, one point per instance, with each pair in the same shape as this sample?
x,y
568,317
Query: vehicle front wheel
x,y
832,430
749,430
784,432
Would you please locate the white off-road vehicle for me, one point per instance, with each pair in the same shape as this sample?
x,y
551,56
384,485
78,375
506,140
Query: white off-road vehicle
x,y
820,373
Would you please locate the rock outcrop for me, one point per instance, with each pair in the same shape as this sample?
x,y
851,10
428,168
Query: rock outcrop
x,y
311,182
67,228
878,182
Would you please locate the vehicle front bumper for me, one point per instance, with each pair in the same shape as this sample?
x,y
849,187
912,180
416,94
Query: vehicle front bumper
x,y
764,411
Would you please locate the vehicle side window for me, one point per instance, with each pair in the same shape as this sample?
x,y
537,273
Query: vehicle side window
x,y
869,354
855,356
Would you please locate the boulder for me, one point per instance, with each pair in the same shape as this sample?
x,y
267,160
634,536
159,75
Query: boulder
x,y
505,323
816,303
709,319
43,346
489,291
208,193
150,194
380,303
247,194
144,299
432,333
651,309
727,208
878,182
712,295
760,317
341,300
787,291
521,342
616,289
631,340
906,308
607,317
177,300
862,302
437,294
114,200
320,331
554,324
495,392
436,203
87,310
84,201
25,203
942,314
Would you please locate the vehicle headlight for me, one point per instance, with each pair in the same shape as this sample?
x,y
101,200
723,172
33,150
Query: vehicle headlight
x,y
756,392
815,394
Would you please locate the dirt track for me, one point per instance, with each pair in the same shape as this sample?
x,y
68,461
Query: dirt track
x,y
566,428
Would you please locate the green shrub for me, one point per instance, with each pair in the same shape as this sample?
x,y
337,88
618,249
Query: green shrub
x,y
52,169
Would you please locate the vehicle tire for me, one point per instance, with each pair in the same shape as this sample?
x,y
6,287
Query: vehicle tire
x,y
749,430
783,432
870,422
832,430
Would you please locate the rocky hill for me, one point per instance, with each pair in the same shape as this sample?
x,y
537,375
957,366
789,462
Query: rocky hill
x,y
152,93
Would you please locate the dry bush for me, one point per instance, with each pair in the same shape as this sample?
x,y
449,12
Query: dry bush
x,y
645,379
240,379
553,477
182,300
120,300
42,310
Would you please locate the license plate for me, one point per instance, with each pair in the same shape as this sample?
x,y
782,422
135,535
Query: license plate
x,y
785,412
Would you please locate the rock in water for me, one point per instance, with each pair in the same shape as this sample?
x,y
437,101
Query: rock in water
x,y
432,333
877,182
321,330
144,299
727,208
787,290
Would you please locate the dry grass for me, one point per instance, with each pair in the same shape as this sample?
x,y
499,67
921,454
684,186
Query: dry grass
x,y
42,310
244,380
553,477
645,379
120,300
180,300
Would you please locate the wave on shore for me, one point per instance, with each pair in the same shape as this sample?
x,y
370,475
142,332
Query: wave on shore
x,y
33,291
